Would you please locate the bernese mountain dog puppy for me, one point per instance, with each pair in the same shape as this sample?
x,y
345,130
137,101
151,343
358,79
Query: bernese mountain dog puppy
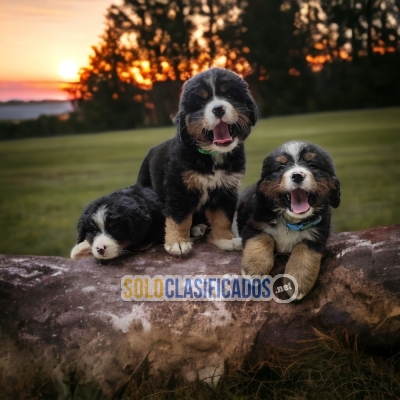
x,y
289,211
198,172
128,220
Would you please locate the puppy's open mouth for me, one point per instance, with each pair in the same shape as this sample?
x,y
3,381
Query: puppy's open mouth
x,y
222,134
298,199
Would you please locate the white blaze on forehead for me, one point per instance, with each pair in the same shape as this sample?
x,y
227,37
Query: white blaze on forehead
x,y
294,149
99,217
211,83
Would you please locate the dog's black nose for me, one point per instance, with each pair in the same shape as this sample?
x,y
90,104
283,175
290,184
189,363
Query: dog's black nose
x,y
298,177
101,250
219,111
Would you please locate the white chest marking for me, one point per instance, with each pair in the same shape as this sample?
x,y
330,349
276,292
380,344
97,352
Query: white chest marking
x,y
220,179
286,239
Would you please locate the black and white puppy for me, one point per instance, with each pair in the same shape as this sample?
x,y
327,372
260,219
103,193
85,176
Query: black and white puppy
x,y
289,211
198,172
128,220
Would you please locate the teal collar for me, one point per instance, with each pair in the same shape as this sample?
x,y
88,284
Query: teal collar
x,y
301,226
210,153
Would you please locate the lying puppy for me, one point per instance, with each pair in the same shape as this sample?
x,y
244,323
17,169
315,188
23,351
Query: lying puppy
x,y
200,169
289,211
128,220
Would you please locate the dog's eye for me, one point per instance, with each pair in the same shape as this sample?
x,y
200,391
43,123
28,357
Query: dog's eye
x,y
281,168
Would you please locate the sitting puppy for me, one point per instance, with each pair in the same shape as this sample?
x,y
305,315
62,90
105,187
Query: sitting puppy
x,y
289,211
128,220
200,169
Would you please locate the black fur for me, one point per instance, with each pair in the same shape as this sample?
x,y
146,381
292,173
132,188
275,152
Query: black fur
x,y
165,164
255,206
135,217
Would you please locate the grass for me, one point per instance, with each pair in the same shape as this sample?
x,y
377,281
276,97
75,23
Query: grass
x,y
331,367
46,183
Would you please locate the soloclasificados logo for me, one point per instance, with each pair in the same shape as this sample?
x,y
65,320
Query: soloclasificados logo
x,y
282,288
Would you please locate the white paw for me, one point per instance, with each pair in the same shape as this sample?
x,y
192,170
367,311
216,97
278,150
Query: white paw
x,y
228,244
83,249
300,295
198,230
178,248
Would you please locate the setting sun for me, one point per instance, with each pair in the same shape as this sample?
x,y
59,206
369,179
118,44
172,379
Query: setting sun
x,y
68,70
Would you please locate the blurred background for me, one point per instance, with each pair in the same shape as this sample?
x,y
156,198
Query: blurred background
x,y
87,87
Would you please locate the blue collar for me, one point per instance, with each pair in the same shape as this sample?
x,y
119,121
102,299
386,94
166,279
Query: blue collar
x,y
301,226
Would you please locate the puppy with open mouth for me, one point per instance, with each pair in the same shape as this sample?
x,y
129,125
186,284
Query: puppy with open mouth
x,y
198,172
289,211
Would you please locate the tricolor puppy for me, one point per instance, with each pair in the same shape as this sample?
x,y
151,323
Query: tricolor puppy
x,y
289,211
200,169
128,220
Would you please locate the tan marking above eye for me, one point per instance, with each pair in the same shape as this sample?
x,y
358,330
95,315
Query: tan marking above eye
x,y
224,87
203,93
309,156
282,159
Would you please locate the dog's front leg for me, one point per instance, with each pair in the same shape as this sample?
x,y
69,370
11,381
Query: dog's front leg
x,y
177,236
258,255
304,265
221,231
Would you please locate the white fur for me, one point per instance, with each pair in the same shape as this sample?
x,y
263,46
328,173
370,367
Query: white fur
x,y
81,250
290,215
228,244
294,149
112,248
99,217
220,178
211,83
235,228
308,184
285,238
198,230
221,149
230,116
178,248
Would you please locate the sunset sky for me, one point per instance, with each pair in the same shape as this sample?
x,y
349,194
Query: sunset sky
x,y
36,36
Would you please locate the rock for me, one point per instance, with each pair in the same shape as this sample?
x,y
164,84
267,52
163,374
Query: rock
x,y
63,323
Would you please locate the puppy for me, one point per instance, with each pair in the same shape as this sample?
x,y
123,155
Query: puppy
x,y
198,172
128,220
289,211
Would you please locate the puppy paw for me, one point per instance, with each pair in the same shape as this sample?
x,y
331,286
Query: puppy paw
x,y
198,230
178,248
228,244
81,250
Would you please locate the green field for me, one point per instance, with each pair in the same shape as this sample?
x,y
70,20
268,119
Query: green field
x,y
45,183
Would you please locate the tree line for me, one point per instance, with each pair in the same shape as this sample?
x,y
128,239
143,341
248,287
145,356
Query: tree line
x,y
297,55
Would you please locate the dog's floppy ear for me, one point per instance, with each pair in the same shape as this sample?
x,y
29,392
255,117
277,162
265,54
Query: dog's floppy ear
x,y
253,109
81,229
334,197
83,221
180,124
139,221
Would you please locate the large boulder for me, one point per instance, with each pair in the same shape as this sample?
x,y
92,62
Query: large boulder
x,y
63,322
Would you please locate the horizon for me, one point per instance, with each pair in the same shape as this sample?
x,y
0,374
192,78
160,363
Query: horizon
x,y
37,38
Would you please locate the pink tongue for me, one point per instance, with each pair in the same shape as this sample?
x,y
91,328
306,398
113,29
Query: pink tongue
x,y
221,133
299,202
